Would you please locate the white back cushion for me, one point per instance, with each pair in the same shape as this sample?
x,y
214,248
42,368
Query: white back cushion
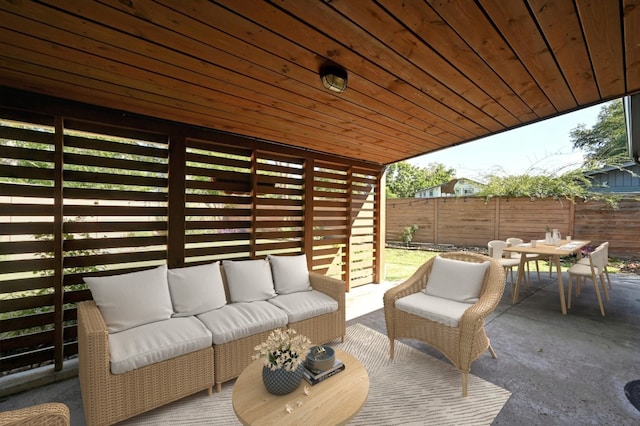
x,y
456,280
249,280
130,300
196,289
290,273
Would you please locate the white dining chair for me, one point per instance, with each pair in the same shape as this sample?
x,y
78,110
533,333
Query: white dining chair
x,y
496,251
530,257
605,247
593,270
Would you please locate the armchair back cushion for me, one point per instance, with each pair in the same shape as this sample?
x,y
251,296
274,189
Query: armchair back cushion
x,y
456,280
249,280
196,289
290,273
133,299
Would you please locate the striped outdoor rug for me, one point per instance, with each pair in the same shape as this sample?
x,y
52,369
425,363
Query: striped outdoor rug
x,y
413,389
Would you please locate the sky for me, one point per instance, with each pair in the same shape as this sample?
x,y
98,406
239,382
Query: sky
x,y
543,147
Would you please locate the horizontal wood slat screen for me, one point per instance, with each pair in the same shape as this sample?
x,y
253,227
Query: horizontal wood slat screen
x,y
89,197
27,300
474,221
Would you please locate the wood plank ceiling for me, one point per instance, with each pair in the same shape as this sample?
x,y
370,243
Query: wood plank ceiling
x,y
423,75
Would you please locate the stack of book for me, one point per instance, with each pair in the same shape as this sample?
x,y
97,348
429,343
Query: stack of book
x,y
314,377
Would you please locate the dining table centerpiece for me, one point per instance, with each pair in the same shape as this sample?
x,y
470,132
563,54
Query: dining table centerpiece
x,y
283,354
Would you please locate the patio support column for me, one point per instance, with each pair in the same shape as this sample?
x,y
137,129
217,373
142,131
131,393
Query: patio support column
x,y
176,224
58,241
380,227
307,231
254,203
349,229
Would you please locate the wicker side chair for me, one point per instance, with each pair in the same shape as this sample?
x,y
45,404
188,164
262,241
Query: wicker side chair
x,y
461,344
49,414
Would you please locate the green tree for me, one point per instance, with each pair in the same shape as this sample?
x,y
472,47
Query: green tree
x,y
569,185
404,179
606,141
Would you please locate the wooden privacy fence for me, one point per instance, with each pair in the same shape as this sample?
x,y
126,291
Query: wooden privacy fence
x,y
475,221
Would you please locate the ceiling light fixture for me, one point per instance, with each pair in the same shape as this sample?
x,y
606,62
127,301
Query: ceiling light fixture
x,y
333,78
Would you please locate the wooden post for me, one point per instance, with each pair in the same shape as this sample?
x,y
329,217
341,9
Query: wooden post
x,y
496,222
349,229
381,227
58,241
176,224
436,213
307,232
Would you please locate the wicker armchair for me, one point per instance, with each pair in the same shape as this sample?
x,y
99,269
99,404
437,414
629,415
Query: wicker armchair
x,y
461,344
49,414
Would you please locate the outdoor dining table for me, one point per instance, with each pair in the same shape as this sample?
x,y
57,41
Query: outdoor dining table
x,y
554,252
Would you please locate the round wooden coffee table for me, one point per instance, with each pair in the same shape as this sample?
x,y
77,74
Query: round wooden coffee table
x,y
333,401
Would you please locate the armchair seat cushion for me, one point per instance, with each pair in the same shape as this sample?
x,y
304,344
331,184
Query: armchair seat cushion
x,y
155,342
438,309
303,305
237,320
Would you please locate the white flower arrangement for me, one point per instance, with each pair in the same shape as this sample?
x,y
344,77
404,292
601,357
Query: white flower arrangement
x,y
283,349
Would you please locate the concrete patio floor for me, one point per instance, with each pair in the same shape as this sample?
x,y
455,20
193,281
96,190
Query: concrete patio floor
x,y
561,369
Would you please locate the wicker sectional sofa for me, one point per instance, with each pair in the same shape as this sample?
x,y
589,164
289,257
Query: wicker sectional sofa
x,y
218,313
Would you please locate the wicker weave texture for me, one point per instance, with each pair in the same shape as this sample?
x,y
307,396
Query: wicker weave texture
x,y
49,414
233,357
109,398
323,328
461,345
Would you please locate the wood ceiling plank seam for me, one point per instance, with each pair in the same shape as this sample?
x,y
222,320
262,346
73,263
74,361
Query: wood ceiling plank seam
x,y
289,52
427,25
226,112
601,21
469,21
166,85
631,22
324,18
358,102
515,22
188,7
149,93
400,39
558,22
325,47
89,94
417,142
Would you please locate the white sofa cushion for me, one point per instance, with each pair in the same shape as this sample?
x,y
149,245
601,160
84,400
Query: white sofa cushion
x,y
133,299
456,279
155,342
249,280
290,273
444,311
237,320
303,305
196,289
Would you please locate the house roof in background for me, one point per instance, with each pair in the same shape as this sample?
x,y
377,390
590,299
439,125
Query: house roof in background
x,y
422,75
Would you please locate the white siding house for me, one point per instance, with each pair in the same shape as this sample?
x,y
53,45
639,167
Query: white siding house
x,y
454,188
